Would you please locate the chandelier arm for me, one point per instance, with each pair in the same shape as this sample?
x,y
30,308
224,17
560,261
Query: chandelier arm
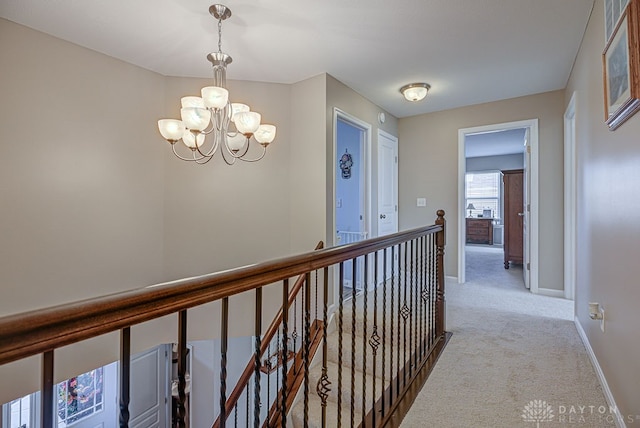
x,y
211,151
195,158
235,155
227,161
202,162
264,152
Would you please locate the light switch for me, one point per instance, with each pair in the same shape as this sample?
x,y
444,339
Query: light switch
x,y
421,202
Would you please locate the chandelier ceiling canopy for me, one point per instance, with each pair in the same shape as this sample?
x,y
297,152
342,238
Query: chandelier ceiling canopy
x,y
211,121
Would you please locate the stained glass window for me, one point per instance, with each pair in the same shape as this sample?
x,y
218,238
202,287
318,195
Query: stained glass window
x,y
79,397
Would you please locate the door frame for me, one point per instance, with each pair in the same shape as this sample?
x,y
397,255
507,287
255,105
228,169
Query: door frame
x,y
570,199
366,155
532,175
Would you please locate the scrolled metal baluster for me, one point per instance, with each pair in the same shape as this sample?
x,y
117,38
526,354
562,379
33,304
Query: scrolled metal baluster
x,y
405,311
256,357
364,335
384,326
323,385
374,340
285,350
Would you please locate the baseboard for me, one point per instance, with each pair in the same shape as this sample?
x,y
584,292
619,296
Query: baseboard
x,y
451,278
603,381
551,292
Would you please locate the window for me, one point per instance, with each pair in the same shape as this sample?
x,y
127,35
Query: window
x,y
79,397
483,191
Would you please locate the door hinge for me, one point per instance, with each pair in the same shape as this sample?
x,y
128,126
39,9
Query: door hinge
x,y
396,208
528,148
396,159
528,207
528,266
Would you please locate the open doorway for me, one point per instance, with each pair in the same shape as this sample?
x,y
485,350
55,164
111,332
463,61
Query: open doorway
x,y
352,141
485,154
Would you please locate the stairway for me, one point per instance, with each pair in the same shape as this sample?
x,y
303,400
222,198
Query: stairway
x,y
359,368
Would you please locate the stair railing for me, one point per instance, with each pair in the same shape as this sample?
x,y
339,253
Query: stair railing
x,y
391,343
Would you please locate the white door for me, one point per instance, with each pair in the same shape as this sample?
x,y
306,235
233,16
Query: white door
x,y
526,210
150,388
387,190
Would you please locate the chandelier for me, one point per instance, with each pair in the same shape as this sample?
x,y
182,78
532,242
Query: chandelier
x,y
228,125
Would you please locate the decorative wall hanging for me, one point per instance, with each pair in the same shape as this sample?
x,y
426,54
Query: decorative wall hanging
x,y
346,162
621,61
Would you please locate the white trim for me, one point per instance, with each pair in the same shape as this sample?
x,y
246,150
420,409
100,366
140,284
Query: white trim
x,y
532,124
551,292
603,381
570,219
451,278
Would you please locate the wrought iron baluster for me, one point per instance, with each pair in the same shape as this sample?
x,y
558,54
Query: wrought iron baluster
x,y
125,377
432,292
307,341
323,386
353,339
411,308
246,414
47,402
405,314
235,415
340,327
374,341
182,368
224,333
415,319
285,350
396,289
384,326
256,358
364,336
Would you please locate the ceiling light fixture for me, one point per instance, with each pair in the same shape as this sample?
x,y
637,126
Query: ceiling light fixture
x,y
231,125
415,91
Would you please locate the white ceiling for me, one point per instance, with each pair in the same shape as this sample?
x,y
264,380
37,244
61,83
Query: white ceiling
x,y
494,143
470,51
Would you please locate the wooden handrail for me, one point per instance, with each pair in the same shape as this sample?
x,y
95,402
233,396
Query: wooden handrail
x,y
266,340
34,332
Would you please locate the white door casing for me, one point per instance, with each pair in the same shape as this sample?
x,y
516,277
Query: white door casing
x,y
526,203
570,202
387,216
532,124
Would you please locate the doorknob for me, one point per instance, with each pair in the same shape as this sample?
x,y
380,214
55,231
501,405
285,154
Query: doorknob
x,y
521,214
383,216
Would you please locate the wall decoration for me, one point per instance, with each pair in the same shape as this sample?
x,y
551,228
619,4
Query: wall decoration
x,y
346,162
621,68
613,10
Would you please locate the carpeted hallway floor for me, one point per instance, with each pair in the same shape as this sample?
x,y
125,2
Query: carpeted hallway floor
x,y
509,349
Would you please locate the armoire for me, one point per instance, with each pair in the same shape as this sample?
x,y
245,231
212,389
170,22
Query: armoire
x,y
513,181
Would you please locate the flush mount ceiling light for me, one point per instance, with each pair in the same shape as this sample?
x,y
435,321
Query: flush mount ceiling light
x,y
415,91
230,125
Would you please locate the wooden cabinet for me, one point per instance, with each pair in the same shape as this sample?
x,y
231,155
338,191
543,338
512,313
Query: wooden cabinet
x,y
513,216
480,231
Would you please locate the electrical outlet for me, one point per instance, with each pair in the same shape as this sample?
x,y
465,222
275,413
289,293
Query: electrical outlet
x,y
602,320
421,202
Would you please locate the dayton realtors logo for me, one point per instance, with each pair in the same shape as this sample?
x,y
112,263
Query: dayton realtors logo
x,y
537,411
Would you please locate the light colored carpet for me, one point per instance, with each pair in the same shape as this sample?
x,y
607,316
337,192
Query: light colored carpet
x,y
509,348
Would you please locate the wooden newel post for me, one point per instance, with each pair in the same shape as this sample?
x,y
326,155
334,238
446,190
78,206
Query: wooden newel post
x,y
440,301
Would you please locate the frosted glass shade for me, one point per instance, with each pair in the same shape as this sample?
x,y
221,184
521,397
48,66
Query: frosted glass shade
x,y
171,129
194,118
192,102
265,134
247,122
236,141
415,91
215,96
237,108
190,140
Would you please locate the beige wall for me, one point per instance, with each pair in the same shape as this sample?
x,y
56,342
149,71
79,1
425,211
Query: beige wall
x,y
80,171
349,101
608,170
428,155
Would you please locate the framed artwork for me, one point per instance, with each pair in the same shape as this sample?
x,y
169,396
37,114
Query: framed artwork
x,y
621,65
613,10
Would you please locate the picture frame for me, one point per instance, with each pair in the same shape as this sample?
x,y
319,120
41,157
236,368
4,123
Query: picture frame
x,y
621,68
